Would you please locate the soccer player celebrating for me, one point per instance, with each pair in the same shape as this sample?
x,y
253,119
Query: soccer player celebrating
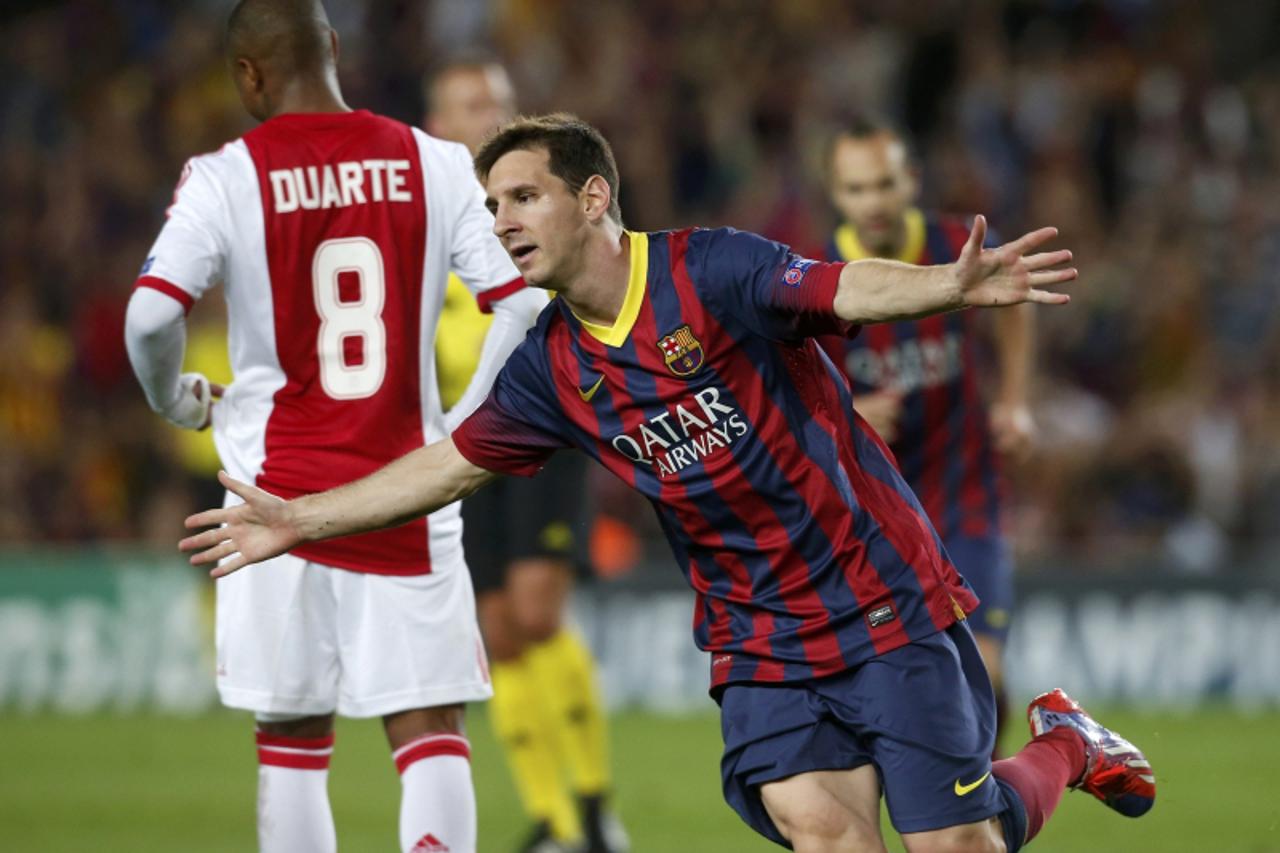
x,y
916,382
684,363
522,544
333,231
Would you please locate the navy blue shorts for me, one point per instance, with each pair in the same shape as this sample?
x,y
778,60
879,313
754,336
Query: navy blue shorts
x,y
986,564
922,714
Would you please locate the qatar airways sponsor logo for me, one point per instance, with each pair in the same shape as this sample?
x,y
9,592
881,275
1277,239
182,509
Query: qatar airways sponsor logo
x,y
684,434
910,365
339,184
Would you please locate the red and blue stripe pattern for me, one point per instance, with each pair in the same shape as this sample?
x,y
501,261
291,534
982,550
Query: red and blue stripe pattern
x,y
943,446
806,549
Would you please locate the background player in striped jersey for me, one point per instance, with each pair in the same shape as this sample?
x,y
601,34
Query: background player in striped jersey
x,y
524,541
332,232
684,362
917,382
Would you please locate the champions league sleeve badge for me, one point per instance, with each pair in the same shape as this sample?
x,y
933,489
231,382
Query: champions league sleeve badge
x,y
796,271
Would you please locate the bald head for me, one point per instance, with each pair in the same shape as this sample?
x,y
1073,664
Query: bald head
x,y
278,50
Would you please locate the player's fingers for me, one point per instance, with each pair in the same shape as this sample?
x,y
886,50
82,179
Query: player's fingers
x,y
231,484
213,555
1048,277
235,564
216,390
208,518
1047,297
1046,259
977,236
206,539
1032,239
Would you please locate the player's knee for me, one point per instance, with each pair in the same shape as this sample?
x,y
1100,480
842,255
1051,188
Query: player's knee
x,y
981,837
405,726
823,826
301,727
538,590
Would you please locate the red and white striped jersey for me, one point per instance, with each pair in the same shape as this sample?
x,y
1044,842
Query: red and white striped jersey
x,y
333,235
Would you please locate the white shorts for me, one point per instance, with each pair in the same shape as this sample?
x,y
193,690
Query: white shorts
x,y
300,638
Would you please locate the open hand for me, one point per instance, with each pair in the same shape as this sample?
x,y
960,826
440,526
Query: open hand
x,y
1008,275
256,530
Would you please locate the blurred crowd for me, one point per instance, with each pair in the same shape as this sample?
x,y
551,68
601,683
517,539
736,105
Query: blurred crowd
x,y
1147,131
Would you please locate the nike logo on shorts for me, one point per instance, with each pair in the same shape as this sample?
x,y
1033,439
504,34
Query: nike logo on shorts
x,y
962,789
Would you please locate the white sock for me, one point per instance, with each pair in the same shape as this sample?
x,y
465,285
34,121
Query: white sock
x,y
437,802
293,796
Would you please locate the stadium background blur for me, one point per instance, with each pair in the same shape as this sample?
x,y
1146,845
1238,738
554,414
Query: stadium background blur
x,y
1148,131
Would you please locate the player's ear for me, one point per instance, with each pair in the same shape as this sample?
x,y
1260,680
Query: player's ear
x,y
595,196
247,75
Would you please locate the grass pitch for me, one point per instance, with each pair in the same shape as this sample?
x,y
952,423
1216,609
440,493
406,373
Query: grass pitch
x,y
140,783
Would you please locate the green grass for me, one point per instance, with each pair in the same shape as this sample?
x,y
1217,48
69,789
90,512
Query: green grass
x,y
127,783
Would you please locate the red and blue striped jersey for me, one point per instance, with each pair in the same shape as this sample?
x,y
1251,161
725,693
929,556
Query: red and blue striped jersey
x,y
808,552
943,445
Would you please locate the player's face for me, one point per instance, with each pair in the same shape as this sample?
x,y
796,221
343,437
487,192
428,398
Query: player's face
x,y
873,186
469,103
542,224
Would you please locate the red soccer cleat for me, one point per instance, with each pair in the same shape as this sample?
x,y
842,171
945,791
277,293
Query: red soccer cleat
x,y
1115,771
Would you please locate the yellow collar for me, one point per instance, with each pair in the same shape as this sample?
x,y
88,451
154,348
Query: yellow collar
x,y
851,248
616,334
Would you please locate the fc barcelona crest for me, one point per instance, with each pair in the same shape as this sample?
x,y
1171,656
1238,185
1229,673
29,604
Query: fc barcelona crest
x,y
682,351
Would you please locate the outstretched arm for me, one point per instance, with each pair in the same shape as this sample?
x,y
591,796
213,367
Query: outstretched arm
x,y
264,526
877,291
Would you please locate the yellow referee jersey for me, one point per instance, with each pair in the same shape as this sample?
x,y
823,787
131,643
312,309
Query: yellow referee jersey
x,y
459,339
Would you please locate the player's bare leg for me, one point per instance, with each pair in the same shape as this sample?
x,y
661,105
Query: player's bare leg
x,y
985,836
538,590
293,775
827,811
438,804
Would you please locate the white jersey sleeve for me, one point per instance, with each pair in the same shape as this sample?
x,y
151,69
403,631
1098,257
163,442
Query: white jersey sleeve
x,y
476,256
187,258
191,251
478,259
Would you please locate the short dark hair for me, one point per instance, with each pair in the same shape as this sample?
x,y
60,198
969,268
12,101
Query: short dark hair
x,y
576,151
292,34
466,59
864,126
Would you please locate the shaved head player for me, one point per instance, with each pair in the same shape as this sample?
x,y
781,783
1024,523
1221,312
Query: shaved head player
x,y
332,231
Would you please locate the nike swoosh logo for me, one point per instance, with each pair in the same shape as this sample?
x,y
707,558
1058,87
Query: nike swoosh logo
x,y
961,790
591,392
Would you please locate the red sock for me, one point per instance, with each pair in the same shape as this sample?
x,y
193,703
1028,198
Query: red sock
x,y
1041,771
